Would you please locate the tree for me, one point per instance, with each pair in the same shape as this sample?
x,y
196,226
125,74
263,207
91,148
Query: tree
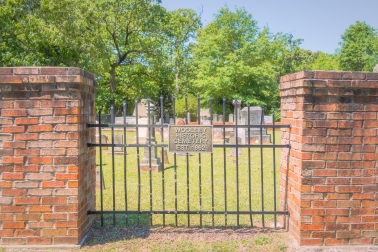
x,y
130,31
135,47
181,29
192,107
179,32
147,47
236,60
359,48
31,33
324,61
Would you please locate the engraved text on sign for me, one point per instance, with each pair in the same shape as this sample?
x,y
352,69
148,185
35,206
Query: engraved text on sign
x,y
190,138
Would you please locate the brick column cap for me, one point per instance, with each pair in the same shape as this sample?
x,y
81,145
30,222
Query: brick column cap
x,y
44,75
329,75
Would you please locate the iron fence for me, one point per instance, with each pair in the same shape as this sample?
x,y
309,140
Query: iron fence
x,y
201,189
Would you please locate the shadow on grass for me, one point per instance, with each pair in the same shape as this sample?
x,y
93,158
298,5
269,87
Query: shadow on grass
x,y
141,232
169,167
128,227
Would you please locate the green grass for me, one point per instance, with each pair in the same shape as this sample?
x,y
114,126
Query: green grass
x,y
194,177
201,242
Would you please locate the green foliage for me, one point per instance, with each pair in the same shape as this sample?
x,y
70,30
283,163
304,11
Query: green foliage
x,y
129,31
180,107
182,26
277,114
235,60
359,48
46,32
137,47
324,61
146,48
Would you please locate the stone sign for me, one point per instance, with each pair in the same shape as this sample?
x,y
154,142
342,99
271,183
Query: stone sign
x,y
198,138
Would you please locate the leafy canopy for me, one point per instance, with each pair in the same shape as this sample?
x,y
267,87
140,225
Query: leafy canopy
x,y
359,48
46,32
235,59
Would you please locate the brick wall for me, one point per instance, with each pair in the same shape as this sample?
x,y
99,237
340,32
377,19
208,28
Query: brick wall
x,y
47,174
329,177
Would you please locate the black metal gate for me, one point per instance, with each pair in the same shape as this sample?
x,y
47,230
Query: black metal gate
x,y
193,189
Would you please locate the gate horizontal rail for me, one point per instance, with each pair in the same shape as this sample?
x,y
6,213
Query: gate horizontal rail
x,y
275,126
214,145
187,212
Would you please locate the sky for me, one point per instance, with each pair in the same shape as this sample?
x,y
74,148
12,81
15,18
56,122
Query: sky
x,y
319,23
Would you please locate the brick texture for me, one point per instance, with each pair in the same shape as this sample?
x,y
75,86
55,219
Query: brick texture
x,y
329,176
45,165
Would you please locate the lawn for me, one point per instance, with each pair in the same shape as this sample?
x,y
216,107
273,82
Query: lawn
x,y
183,239
235,187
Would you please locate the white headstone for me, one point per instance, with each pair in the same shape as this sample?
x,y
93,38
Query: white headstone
x,y
215,118
220,118
97,130
268,119
233,149
256,117
375,70
104,140
166,133
218,134
130,120
142,131
142,111
118,139
206,122
119,120
166,118
231,117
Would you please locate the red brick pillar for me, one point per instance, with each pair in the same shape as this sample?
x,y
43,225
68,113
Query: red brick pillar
x,y
329,183
47,174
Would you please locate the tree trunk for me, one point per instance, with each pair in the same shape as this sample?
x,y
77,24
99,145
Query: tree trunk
x,y
177,83
112,84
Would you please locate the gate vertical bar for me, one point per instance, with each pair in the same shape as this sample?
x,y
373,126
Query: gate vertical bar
x,y
274,172
162,155
175,161
249,164
101,174
125,160
187,164
149,153
212,164
224,164
237,163
262,166
138,156
199,160
113,161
